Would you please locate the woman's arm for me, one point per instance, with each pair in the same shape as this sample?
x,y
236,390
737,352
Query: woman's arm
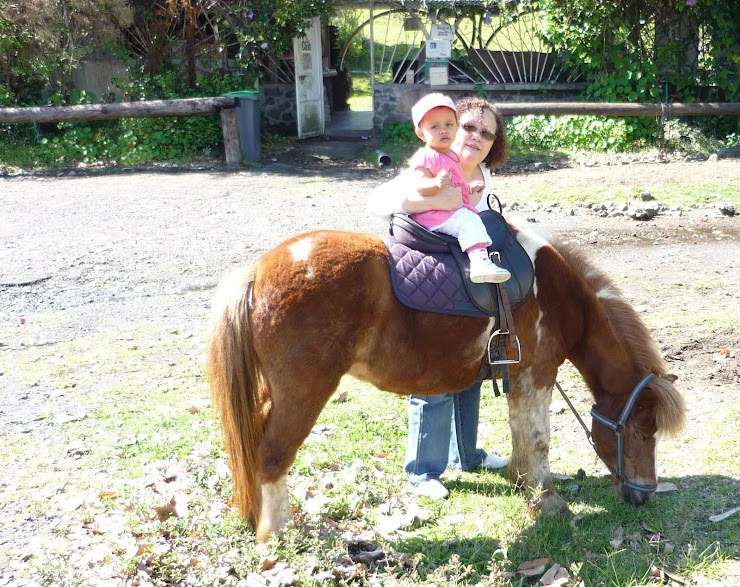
x,y
399,196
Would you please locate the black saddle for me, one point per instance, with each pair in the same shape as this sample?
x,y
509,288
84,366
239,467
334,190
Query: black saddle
x,y
506,251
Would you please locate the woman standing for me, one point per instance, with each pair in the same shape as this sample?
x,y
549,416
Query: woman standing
x,y
443,429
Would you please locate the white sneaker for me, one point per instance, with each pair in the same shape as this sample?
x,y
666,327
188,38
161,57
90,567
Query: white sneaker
x,y
433,489
483,270
493,461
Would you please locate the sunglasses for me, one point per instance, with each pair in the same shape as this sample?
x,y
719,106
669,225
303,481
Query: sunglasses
x,y
484,134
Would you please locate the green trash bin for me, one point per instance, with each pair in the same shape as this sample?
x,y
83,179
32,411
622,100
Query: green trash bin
x,y
248,119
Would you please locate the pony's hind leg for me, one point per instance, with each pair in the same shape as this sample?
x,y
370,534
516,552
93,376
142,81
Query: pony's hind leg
x,y
275,512
290,421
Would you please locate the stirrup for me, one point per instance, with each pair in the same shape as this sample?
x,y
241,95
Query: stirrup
x,y
504,361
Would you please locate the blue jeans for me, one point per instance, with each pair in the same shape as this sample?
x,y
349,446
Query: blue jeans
x,y
443,432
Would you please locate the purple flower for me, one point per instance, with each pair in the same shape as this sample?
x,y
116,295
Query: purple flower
x,y
690,3
250,16
264,46
487,18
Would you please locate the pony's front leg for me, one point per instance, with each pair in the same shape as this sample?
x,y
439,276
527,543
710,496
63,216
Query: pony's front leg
x,y
529,419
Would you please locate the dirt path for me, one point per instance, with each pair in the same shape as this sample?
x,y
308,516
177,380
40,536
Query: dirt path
x,y
92,253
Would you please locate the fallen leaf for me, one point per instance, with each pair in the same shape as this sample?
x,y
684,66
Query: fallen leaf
x,y
142,548
533,567
267,564
649,529
617,537
665,486
193,410
549,576
177,507
727,514
562,477
69,417
341,398
577,518
366,557
107,494
556,575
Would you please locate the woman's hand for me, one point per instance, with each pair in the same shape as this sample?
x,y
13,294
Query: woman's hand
x,y
449,198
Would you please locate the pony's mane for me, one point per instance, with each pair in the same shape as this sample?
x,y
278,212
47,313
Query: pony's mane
x,y
628,327
623,320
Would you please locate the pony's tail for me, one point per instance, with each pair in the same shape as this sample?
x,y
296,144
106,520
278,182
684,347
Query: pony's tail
x,y
234,374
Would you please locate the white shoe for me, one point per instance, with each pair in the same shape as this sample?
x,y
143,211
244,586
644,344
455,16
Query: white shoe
x,y
483,270
493,461
432,489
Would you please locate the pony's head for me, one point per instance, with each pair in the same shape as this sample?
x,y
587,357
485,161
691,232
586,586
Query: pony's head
x,y
626,434
636,401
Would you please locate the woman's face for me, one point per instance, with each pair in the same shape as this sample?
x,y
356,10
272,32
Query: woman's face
x,y
470,145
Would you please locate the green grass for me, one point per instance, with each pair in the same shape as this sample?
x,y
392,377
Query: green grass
x,y
146,434
362,96
346,479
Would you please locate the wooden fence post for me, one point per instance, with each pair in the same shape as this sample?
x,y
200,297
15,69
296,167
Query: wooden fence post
x,y
230,128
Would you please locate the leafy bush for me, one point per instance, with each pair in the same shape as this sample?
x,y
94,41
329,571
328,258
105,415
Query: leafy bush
x,y
591,133
402,132
41,40
358,52
651,51
268,27
132,141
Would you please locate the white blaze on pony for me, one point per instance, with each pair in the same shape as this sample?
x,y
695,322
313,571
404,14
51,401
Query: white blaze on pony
x,y
301,252
274,360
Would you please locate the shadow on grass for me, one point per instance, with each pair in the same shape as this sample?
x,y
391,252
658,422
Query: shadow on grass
x,y
608,542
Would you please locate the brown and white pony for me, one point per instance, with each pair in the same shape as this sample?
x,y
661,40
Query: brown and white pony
x,y
286,329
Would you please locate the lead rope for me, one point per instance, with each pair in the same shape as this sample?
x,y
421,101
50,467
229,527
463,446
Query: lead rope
x,y
577,415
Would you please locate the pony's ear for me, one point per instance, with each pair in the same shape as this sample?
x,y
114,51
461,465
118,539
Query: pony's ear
x,y
671,377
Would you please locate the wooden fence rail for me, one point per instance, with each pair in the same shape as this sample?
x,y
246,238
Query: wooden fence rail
x,y
620,108
143,109
226,108
223,106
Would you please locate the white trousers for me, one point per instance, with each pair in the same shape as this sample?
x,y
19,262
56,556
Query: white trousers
x,y
467,227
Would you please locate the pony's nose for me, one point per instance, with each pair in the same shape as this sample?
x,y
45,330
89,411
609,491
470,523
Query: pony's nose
x,y
636,497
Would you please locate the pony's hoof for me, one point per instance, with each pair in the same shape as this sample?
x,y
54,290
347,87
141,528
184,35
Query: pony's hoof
x,y
549,504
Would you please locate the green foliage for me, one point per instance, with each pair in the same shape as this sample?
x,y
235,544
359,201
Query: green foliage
x,y
358,52
398,140
40,41
650,51
591,133
129,141
399,132
267,28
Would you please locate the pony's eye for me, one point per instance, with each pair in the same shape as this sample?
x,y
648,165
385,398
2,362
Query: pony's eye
x,y
641,436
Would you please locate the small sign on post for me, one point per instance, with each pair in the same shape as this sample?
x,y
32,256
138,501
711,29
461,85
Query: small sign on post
x,y
438,54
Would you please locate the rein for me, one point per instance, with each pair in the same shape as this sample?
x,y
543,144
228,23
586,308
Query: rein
x,y
618,428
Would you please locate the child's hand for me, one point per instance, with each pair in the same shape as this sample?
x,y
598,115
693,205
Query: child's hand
x,y
443,179
477,186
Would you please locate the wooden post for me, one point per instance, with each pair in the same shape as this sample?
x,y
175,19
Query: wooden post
x,y
230,128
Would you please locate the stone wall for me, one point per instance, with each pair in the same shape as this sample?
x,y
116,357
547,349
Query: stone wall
x,y
394,101
278,107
